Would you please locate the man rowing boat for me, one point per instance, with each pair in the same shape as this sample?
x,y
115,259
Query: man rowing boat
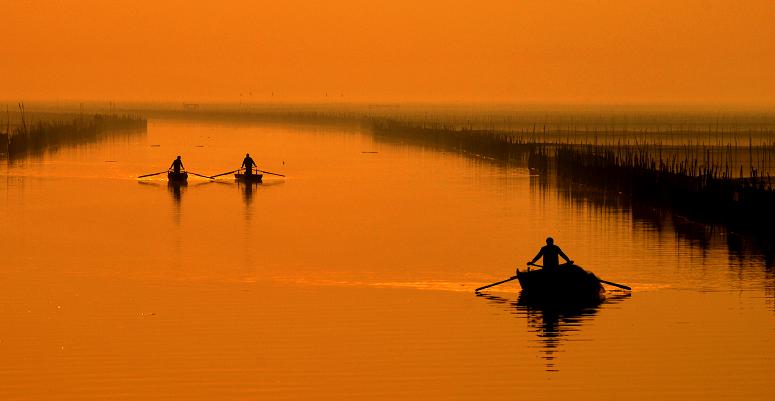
x,y
551,254
176,165
248,164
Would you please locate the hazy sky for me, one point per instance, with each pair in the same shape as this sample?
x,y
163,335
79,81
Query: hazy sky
x,y
401,50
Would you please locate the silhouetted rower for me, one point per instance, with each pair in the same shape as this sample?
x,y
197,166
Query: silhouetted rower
x,y
551,254
176,165
248,164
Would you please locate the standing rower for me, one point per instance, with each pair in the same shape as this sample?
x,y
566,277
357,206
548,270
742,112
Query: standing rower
x,y
176,165
248,164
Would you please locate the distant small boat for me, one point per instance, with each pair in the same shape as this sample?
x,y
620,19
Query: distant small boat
x,y
248,177
177,177
567,282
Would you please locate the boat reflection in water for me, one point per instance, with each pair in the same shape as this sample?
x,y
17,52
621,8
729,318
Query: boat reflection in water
x,y
176,189
248,190
554,321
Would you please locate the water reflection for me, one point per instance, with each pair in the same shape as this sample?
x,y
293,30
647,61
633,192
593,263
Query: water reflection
x,y
176,191
248,190
362,227
702,236
553,322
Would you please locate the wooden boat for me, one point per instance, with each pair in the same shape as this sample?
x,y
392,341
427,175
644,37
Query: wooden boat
x,y
248,177
177,177
567,282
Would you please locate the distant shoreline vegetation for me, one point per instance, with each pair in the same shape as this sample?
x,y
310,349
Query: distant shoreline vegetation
x,y
713,176
35,133
711,167
714,168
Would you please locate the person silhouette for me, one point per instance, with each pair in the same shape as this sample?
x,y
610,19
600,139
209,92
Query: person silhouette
x,y
551,254
248,164
176,165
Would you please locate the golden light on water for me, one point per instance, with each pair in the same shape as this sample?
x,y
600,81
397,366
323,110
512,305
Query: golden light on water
x,y
351,280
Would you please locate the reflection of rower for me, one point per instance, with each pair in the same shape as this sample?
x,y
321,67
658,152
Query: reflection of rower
x,y
176,190
555,323
248,189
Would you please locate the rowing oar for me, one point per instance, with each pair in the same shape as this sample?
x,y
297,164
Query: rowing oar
x,y
622,286
494,284
269,172
229,172
148,175
200,175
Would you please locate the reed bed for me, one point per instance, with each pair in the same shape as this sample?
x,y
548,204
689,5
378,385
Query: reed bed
x,y
707,189
490,144
28,137
715,176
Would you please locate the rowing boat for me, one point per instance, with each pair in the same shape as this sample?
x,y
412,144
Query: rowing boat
x,y
181,176
248,177
567,282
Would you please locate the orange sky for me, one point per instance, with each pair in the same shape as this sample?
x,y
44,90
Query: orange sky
x,y
505,51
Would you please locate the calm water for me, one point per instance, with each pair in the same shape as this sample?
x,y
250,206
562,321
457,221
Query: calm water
x,y
351,279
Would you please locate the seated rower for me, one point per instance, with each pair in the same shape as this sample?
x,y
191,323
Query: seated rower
x,y
551,254
248,164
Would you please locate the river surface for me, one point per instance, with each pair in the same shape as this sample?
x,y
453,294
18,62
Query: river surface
x,y
352,278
